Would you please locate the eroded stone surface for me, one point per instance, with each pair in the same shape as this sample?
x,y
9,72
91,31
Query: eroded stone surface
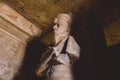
x,y
12,16
11,54
15,31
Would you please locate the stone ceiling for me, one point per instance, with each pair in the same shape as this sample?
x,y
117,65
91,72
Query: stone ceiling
x,y
42,13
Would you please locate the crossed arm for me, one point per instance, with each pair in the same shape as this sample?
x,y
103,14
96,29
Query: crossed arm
x,y
72,53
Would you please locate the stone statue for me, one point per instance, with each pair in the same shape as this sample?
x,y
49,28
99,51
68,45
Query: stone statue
x,y
64,52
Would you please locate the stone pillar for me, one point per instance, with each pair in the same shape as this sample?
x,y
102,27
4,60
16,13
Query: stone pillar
x,y
15,30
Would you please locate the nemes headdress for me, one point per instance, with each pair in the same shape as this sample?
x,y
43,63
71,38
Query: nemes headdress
x,y
65,17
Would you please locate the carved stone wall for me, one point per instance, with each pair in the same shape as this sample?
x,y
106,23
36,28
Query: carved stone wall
x,y
15,30
11,54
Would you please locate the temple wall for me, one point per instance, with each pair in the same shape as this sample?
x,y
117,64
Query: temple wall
x,y
15,30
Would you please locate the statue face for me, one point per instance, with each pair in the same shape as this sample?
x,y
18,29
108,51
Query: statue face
x,y
61,26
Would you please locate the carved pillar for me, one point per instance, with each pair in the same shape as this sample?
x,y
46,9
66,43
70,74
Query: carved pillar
x,y
15,30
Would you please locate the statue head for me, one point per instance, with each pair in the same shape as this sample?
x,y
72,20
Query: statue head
x,y
62,23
